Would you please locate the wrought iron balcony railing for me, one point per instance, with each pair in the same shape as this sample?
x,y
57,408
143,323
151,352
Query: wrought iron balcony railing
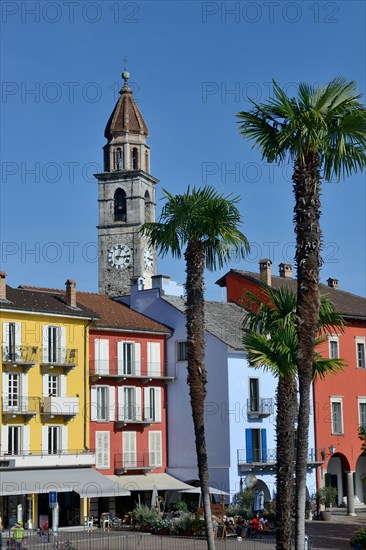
x,y
136,461
59,357
260,406
14,404
268,456
116,368
20,355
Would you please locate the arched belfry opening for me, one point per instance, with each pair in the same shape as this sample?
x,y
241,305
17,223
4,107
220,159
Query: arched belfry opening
x,y
135,159
120,206
118,159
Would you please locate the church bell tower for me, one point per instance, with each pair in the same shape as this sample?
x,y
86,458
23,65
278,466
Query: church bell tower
x,y
126,199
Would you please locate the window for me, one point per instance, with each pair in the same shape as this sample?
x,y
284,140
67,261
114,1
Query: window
x,y
360,351
337,420
15,440
256,445
120,206
54,440
182,351
155,458
129,404
333,348
54,385
102,403
147,207
254,403
125,358
152,403
102,444
13,398
54,345
362,412
11,341
129,449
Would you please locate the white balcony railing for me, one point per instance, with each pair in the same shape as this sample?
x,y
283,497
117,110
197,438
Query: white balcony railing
x,y
64,406
43,459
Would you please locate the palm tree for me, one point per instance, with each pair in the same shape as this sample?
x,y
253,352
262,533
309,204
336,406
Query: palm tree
x,y
205,224
272,344
323,132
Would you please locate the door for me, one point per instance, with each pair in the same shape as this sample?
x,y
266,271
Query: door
x,y
254,394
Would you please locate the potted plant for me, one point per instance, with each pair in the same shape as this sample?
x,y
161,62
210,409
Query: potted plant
x,y
144,517
358,539
326,496
183,524
161,526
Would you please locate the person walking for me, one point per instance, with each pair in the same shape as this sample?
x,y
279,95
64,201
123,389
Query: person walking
x,y
1,532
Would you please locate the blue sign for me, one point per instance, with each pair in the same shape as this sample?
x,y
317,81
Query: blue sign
x,y
52,499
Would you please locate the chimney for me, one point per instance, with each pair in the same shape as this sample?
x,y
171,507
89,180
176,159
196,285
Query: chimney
x,y
285,270
265,271
2,286
333,283
71,292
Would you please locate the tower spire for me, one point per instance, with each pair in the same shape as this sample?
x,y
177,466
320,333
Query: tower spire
x,y
125,76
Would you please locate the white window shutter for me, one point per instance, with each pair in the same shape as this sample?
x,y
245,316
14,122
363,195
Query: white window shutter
x,y
99,449
106,452
112,403
45,343
44,439
155,449
158,394
120,357
18,334
63,387
93,403
45,388
153,358
5,334
26,439
129,449
4,439
61,335
138,403
24,392
64,439
146,414
121,404
137,358
5,381
104,349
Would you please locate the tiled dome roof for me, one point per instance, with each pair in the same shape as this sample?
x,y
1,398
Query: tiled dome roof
x,y
126,116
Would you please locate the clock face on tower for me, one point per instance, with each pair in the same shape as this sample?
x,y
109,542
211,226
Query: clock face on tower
x,y
148,258
119,256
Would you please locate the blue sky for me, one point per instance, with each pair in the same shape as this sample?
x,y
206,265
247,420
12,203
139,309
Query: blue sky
x,y
192,66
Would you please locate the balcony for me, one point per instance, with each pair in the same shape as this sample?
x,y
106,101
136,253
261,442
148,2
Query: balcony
x,y
43,459
60,406
133,414
20,356
265,459
20,405
65,358
260,407
124,462
116,369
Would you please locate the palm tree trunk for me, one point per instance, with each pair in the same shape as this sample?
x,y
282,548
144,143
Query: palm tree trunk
x,y
195,323
285,431
307,185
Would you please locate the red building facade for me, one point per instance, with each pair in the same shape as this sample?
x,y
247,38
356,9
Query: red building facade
x,y
339,400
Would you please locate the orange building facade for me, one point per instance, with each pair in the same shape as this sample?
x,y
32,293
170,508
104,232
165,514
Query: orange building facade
x,y
339,401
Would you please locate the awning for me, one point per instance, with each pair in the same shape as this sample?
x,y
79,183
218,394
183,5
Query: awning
x,y
163,482
197,490
85,481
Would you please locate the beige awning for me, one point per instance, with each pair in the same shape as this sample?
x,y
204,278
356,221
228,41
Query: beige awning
x,y
163,482
85,481
197,490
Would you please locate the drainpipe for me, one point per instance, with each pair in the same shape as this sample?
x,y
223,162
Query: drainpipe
x,y
86,358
